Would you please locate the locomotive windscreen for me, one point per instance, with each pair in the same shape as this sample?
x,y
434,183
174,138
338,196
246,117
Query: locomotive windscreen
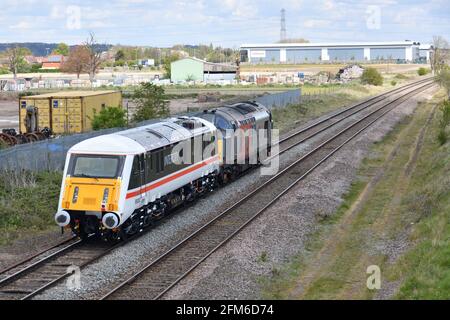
x,y
95,166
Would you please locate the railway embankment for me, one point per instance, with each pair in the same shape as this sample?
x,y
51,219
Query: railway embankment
x,y
394,217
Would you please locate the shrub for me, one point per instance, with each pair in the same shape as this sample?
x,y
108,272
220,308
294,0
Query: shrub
x,y
4,70
445,109
400,76
422,71
444,122
372,76
442,137
393,83
109,117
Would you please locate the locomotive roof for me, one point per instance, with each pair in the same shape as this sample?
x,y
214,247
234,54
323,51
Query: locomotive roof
x,y
145,138
239,111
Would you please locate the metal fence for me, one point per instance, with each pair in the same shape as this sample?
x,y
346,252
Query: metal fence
x,y
50,155
280,100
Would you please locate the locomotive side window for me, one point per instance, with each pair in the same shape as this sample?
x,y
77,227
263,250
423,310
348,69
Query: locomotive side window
x,y
135,174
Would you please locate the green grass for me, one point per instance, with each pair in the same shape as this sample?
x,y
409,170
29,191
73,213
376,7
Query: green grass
x,y
27,203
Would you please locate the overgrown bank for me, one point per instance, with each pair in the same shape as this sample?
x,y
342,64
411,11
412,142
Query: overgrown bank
x,y
27,203
395,215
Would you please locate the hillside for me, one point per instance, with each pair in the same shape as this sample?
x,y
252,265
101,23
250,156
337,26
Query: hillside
x,y
40,48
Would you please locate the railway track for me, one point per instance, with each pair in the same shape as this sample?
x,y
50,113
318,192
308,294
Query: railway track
x,y
337,117
163,273
26,280
41,271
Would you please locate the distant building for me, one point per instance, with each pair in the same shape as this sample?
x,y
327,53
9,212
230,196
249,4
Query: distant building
x,y
53,62
399,51
424,52
193,69
146,62
33,59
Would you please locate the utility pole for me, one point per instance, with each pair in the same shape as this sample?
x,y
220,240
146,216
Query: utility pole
x,y
283,25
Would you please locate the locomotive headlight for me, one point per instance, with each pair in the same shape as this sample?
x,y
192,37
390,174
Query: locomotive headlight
x,y
62,218
75,195
105,195
110,220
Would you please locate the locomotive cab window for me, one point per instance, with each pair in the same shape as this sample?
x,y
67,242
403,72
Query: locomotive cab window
x,y
96,166
137,172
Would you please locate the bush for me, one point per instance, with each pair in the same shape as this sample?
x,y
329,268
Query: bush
x,y
444,122
4,70
109,117
400,76
422,71
393,83
371,76
442,137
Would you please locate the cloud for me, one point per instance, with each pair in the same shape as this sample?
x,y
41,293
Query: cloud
x,y
22,25
315,23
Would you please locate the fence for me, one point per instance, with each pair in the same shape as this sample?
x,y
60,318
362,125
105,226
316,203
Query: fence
x,y
280,100
50,155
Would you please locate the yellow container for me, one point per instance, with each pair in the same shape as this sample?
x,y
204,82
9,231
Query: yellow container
x,y
68,111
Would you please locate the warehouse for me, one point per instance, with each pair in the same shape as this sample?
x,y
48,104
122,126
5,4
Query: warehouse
x,y
193,69
65,112
399,51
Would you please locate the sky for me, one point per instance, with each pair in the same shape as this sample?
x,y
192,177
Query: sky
x,y
227,23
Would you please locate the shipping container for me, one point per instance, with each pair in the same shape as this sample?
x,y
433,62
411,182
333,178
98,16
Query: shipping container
x,y
67,112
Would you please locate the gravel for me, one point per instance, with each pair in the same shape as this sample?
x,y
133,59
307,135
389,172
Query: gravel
x,y
233,272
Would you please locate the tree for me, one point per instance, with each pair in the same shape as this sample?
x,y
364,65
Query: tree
x,y
120,55
150,102
95,56
439,54
77,61
167,64
109,117
62,49
372,76
16,59
443,78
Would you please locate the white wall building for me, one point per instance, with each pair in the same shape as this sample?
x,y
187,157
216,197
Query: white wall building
x,y
401,51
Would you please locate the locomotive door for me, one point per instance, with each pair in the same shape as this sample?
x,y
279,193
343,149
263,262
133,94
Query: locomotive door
x,y
141,178
137,179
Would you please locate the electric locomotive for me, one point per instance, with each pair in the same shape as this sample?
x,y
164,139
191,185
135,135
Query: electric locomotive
x,y
118,184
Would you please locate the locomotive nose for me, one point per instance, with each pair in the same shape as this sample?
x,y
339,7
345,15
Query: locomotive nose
x,y
62,218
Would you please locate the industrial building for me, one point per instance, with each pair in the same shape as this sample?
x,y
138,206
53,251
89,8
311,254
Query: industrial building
x,y
399,51
64,112
193,69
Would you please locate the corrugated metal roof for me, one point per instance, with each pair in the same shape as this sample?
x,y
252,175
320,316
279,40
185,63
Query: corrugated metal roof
x,y
70,94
